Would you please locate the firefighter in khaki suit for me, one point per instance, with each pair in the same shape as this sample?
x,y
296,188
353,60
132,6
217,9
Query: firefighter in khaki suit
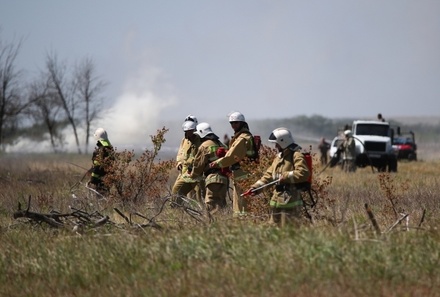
x,y
290,167
184,184
216,183
240,147
349,152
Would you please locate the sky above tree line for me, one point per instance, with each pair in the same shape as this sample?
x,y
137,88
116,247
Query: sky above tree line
x,y
268,59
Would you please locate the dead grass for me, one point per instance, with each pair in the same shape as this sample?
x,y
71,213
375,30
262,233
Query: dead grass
x,y
339,255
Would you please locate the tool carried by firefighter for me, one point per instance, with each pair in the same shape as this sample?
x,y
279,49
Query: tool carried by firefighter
x,y
250,191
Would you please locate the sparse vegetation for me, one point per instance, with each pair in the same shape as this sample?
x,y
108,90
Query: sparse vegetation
x,y
340,254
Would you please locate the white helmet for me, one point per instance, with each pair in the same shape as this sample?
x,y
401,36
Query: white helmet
x,y
282,136
189,125
191,118
348,133
100,134
236,116
203,129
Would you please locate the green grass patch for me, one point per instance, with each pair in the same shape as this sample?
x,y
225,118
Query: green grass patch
x,y
218,260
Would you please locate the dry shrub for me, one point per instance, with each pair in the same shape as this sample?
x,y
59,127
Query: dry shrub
x,y
393,194
258,205
134,181
411,191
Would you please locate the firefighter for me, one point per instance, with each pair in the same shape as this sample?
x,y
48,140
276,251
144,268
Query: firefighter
x,y
216,182
323,147
290,168
101,161
240,146
349,152
184,184
380,117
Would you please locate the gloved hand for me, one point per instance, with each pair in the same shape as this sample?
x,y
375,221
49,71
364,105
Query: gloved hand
x,y
89,184
286,177
221,152
250,192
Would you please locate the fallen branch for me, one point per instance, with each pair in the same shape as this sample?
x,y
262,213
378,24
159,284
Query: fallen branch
x,y
122,215
423,218
59,220
51,219
372,219
150,223
397,222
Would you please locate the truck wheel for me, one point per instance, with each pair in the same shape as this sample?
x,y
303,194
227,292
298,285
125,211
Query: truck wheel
x,y
392,164
382,168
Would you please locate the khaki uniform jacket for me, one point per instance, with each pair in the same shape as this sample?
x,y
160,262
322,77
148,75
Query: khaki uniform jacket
x,y
241,145
186,153
349,147
205,155
287,163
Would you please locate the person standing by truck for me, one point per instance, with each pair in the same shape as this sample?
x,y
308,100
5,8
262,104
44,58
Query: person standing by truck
x,y
349,152
323,147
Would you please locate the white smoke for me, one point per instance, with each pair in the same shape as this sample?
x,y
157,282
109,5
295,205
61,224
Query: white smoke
x,y
136,113
129,122
26,145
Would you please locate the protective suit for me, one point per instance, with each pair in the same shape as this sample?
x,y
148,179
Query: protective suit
x,y
349,152
291,168
101,160
240,147
189,145
216,183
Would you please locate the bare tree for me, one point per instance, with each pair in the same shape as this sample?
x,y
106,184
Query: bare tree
x,y
89,87
11,101
65,90
46,110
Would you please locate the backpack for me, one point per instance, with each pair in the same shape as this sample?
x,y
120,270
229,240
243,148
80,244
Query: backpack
x,y
256,144
221,152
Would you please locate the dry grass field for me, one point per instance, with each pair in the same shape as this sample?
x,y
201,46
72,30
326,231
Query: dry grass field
x,y
344,252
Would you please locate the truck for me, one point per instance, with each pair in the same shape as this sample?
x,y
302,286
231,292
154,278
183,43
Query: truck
x,y
405,145
374,145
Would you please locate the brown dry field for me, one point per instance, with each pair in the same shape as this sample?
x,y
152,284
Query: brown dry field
x,y
50,177
339,255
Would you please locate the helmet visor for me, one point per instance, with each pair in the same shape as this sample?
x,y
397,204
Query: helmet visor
x,y
272,137
190,118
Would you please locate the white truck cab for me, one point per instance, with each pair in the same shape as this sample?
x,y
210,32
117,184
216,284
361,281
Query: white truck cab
x,y
374,145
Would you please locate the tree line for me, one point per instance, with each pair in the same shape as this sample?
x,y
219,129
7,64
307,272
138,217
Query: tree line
x,y
60,96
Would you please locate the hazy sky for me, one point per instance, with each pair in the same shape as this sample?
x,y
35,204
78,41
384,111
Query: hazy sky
x,y
265,58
